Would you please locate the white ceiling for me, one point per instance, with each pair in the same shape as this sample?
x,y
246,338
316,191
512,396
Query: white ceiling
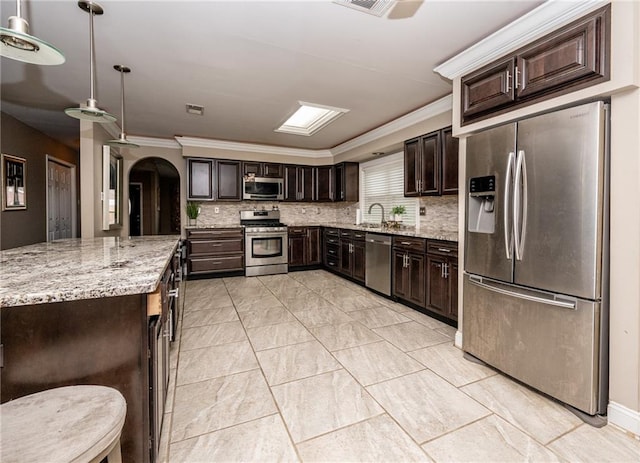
x,y
247,62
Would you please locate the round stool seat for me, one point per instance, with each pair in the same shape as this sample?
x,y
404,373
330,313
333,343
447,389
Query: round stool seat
x,y
66,424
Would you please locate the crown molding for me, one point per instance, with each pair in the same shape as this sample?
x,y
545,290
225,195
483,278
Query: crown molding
x,y
433,109
154,142
251,147
539,22
424,113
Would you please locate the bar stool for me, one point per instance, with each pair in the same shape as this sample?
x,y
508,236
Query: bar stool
x,y
73,424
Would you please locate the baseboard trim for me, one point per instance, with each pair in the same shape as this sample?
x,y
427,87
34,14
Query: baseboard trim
x,y
458,339
624,418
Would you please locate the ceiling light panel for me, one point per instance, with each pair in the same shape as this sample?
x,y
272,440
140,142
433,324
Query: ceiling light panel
x,y
375,7
309,118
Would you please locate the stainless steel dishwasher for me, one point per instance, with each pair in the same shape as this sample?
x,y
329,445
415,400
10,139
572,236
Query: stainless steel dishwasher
x,y
378,263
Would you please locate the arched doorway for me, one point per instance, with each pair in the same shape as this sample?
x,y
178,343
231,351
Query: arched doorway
x,y
154,198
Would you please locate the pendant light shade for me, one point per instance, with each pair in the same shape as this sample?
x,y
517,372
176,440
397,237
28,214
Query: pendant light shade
x,y
122,141
91,112
16,43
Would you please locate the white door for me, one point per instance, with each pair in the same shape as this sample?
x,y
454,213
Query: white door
x,y
60,201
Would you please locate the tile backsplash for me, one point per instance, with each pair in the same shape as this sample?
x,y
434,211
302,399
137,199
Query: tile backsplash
x,y
290,213
441,212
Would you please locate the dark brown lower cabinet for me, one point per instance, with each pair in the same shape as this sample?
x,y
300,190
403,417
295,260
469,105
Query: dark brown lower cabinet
x,y
304,246
352,254
213,250
442,278
409,276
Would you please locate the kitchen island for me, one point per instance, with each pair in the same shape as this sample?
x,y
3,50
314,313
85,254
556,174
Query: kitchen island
x,y
90,311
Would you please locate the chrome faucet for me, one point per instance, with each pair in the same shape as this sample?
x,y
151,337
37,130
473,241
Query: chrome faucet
x,y
382,221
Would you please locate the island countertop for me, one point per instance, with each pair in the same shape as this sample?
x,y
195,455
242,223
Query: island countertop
x,y
83,268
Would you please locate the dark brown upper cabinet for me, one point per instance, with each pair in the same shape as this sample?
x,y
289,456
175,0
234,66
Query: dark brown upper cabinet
x,y
347,185
324,183
263,169
228,181
431,164
200,179
298,183
571,58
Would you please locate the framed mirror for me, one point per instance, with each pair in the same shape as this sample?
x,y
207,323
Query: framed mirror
x,y
14,183
111,189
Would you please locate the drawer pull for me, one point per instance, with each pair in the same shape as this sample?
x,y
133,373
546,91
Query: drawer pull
x,y
444,250
406,243
216,245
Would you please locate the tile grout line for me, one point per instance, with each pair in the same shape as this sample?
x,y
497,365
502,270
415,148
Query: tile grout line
x,y
273,398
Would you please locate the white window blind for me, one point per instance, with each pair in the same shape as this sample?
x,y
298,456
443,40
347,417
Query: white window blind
x,y
383,182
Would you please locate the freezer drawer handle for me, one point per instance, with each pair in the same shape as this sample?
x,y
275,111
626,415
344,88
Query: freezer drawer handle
x,y
565,304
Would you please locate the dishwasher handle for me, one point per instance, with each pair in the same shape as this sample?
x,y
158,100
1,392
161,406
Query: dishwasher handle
x,y
378,239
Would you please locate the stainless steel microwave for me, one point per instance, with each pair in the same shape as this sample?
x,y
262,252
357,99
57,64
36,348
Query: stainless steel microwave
x,y
263,188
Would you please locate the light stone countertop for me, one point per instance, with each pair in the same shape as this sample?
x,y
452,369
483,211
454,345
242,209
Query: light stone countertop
x,y
436,234
87,268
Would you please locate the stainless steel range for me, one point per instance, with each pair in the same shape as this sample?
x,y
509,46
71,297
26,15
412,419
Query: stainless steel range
x,y
266,243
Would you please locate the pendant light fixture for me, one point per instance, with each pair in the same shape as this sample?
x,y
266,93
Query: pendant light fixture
x,y
91,112
122,141
16,43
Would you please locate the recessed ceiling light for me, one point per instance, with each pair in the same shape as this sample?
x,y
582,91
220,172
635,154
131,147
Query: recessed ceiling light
x,y
309,118
195,109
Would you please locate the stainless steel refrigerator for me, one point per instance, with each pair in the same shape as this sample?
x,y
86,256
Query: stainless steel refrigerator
x,y
536,253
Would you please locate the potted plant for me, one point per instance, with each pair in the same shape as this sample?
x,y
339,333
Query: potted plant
x,y
193,211
397,212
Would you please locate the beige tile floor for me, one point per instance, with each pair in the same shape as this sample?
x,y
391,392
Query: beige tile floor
x,y
310,367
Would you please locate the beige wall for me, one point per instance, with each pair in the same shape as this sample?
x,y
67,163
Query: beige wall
x,y
623,89
92,139
22,227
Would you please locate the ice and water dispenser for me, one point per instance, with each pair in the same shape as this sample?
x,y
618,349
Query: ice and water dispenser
x,y
482,192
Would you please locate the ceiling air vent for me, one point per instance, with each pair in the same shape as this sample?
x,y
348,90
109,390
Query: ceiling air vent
x,y
376,7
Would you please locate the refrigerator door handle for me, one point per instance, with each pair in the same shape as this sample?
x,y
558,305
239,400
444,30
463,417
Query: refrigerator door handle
x,y
523,204
519,199
508,235
552,299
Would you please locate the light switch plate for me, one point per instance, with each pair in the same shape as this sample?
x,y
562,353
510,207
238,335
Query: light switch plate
x,y
423,210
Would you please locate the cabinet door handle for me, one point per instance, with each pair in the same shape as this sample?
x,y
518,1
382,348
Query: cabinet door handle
x,y
174,292
508,78
516,78
444,250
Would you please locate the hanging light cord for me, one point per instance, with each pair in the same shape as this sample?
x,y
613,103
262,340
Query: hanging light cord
x,y
91,41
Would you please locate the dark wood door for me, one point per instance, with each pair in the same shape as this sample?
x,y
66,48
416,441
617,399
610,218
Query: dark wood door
x,y
449,184
574,54
314,253
347,181
200,179
305,183
250,167
430,164
345,256
437,285
417,286
488,88
291,183
297,250
228,180
411,167
453,292
272,169
358,260
400,274
324,183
